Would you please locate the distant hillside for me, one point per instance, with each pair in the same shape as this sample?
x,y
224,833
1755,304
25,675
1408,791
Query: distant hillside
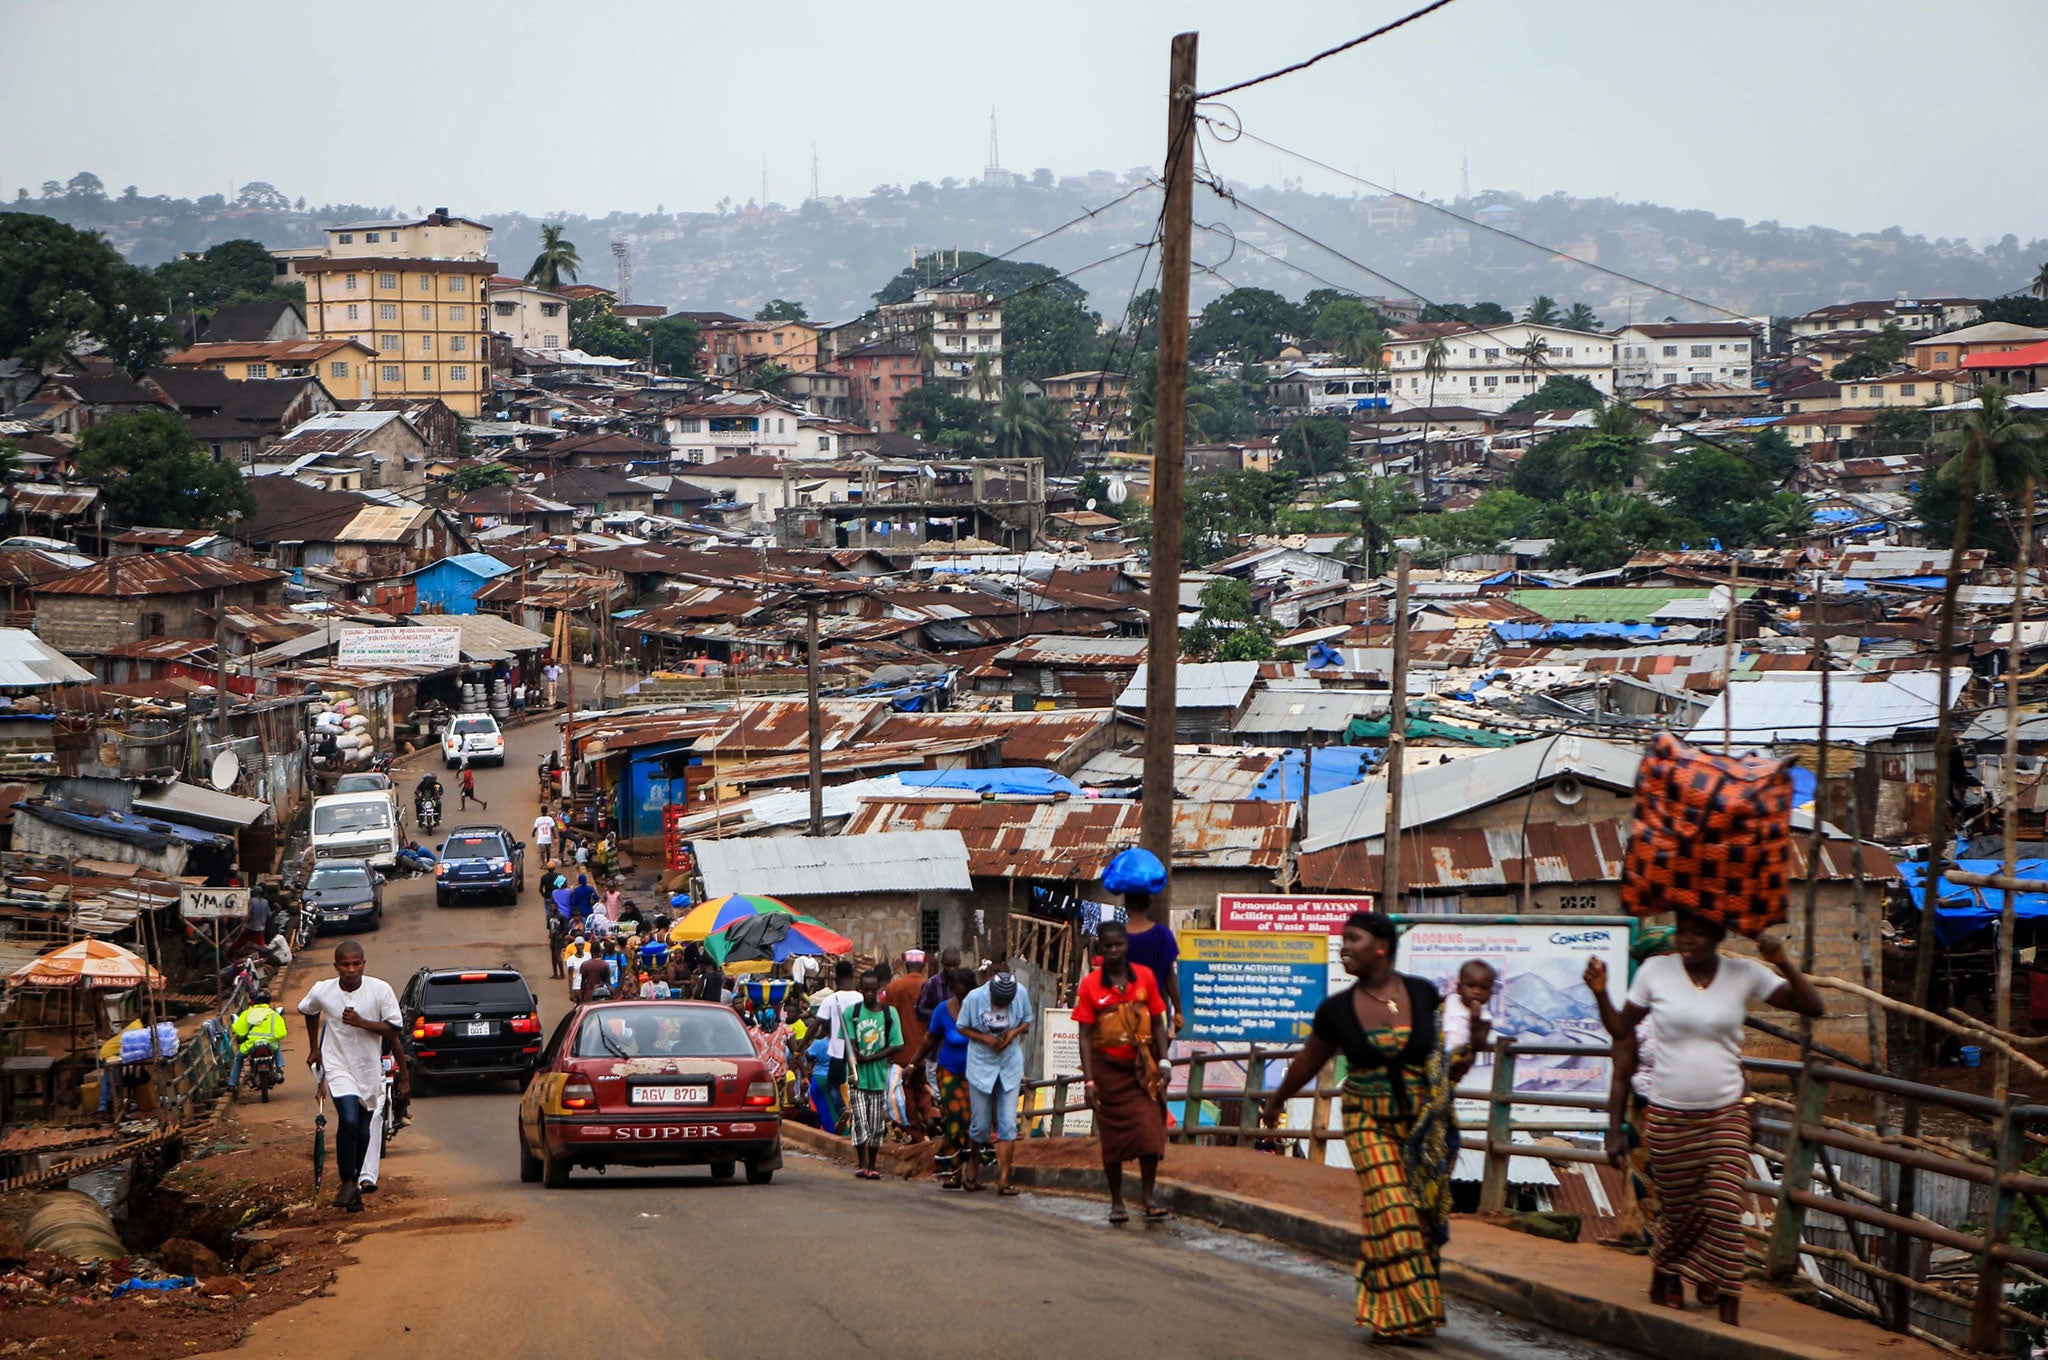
x,y
833,253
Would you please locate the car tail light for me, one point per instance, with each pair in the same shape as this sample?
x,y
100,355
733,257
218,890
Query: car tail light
x,y
760,1093
473,977
524,1024
429,1029
578,1095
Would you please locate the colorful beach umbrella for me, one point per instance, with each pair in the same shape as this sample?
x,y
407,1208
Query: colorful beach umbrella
x,y
88,963
770,945
704,921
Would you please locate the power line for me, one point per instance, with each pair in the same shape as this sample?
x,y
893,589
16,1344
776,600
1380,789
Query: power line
x,y
1328,52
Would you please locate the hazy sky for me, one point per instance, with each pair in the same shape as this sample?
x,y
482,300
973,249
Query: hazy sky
x,y
1859,114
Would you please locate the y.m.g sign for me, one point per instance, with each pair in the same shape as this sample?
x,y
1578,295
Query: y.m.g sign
x,y
214,904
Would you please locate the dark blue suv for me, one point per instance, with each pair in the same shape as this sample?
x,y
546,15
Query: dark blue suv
x,y
480,861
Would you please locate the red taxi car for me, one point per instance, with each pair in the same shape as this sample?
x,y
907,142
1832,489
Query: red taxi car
x,y
649,1083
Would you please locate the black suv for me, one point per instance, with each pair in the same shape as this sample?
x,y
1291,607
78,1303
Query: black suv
x,y
471,1022
480,861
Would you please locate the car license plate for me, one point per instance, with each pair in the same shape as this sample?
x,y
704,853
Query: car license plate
x,y
477,1029
670,1095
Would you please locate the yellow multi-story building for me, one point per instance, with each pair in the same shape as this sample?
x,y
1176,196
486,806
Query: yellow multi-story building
x,y
413,294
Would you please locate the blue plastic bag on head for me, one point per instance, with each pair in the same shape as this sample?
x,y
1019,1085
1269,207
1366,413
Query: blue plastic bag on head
x,y
1135,870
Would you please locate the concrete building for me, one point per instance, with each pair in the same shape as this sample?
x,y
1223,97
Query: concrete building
x,y
1486,367
342,364
1915,316
413,293
964,331
1670,353
533,318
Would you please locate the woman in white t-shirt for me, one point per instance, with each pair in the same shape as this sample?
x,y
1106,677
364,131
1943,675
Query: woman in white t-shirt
x,y
1697,1125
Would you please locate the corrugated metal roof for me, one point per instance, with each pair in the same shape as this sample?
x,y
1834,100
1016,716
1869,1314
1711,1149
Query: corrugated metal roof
x,y
1785,706
1061,650
207,807
486,637
27,662
1197,774
803,866
157,574
1053,738
771,726
1308,710
1199,684
1076,838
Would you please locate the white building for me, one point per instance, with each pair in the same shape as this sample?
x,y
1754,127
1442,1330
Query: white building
x,y
737,424
1666,353
1915,316
534,317
1487,367
966,330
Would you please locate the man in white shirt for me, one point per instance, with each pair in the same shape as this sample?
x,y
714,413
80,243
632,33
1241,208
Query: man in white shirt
x,y
544,838
348,1017
553,673
832,1012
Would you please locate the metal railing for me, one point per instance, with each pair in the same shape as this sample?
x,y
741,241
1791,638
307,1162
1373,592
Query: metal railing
x,y
1796,1134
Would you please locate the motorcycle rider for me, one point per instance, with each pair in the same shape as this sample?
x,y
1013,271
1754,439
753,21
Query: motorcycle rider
x,y
258,1024
428,787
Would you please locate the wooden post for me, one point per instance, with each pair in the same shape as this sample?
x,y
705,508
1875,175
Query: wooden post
x,y
1787,1230
1059,1107
1254,1092
1500,1119
1819,841
1728,654
1318,1121
1987,1323
2009,784
1169,428
1397,744
1191,1107
815,718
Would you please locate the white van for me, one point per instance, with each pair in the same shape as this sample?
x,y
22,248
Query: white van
x,y
356,826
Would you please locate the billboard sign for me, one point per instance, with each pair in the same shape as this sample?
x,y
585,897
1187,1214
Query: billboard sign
x,y
1246,987
1280,913
435,646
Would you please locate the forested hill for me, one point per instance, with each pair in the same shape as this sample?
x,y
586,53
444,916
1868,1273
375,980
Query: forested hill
x,y
833,253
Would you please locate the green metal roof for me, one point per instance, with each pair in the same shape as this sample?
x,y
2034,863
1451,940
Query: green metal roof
x,y
1617,605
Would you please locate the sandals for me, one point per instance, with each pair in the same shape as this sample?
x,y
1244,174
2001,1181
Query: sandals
x,y
971,1186
1155,1214
1008,1191
1119,1215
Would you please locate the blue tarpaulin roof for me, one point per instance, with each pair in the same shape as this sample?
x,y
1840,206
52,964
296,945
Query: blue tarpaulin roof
x,y
1021,779
1572,632
1334,767
1965,911
1836,516
1923,582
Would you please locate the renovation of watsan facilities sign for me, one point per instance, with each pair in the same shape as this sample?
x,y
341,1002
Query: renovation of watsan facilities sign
x,y
1252,988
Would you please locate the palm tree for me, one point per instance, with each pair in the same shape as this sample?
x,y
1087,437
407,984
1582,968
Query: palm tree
x,y
1436,361
927,349
1581,318
982,382
1533,357
2039,287
556,262
1615,451
1019,428
1542,311
1383,502
2008,445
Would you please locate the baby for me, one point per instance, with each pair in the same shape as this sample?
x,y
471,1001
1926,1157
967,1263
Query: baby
x,y
1466,1025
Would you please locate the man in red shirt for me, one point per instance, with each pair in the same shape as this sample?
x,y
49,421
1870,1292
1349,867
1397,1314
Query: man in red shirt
x,y
1123,1050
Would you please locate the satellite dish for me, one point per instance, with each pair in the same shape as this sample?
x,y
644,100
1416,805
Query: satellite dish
x,y
1091,502
227,768
1119,491
1567,790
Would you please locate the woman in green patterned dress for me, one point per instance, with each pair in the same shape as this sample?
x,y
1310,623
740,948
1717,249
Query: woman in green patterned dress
x,y
1396,1126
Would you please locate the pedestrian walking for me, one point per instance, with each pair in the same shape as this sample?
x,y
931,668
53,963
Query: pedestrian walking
x,y
572,964
1697,1122
936,992
558,939
469,788
348,1018
945,1048
600,977
553,672
873,1039
901,996
544,837
1155,948
1396,1115
995,1018
1121,1011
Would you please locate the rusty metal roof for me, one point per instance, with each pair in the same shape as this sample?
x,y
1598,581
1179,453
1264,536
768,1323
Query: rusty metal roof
x,y
1054,738
60,501
157,574
1060,650
1076,838
772,726
1198,773
158,648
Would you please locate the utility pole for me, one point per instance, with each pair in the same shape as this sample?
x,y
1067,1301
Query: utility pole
x,y
1819,842
1397,743
817,722
2009,788
1169,432
220,659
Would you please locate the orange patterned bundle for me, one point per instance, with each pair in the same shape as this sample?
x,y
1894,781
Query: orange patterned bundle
x,y
1712,836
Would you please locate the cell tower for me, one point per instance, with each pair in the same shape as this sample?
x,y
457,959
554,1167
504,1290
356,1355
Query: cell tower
x,y
814,171
622,254
1465,175
995,161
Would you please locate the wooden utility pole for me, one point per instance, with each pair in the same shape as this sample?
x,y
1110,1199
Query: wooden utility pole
x,y
816,719
1397,743
1818,844
220,659
1728,655
1169,431
565,638
2009,790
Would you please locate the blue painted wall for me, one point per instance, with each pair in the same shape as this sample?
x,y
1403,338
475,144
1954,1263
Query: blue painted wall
x,y
645,791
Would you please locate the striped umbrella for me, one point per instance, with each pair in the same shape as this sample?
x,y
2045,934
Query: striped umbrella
x,y
88,963
805,936
702,922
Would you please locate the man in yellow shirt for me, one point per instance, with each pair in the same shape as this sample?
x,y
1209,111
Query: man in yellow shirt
x,y
257,1025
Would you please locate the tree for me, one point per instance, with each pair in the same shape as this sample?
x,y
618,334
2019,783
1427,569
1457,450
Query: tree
x,y
557,259
1032,427
1581,318
1316,445
1532,356
2009,445
85,184
1380,506
2019,310
1613,452
152,470
1494,518
1254,323
1561,392
262,197
933,411
1718,492
1543,471
969,271
2039,287
1047,331
474,476
1350,328
1541,311
768,377
227,272
1436,361
781,309
1601,530
62,289
594,330
1903,423
1474,314
1220,507
676,344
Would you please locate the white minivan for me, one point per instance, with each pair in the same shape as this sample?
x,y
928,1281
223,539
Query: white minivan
x,y
356,826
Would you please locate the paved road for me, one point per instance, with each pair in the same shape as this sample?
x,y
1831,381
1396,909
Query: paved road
x,y
638,1262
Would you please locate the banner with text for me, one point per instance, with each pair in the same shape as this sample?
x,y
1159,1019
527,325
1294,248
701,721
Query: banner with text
x,y
213,904
1279,913
1062,1058
1249,987
436,646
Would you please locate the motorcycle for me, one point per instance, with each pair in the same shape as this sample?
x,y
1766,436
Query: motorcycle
x,y
263,1067
428,812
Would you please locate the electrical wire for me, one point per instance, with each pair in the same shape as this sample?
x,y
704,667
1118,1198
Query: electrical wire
x,y
1329,52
